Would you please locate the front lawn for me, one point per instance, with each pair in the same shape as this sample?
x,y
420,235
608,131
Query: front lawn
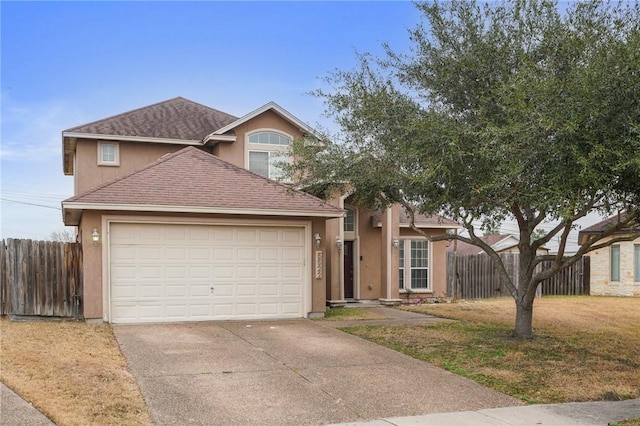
x,y
586,348
73,372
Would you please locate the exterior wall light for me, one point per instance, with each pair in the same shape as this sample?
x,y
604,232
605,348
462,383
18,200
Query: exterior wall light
x,y
318,240
395,243
95,237
338,243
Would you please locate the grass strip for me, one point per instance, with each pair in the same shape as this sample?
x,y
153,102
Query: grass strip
x,y
566,362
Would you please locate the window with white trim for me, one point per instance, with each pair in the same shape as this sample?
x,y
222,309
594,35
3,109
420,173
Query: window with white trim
x,y
636,262
108,154
265,150
615,262
349,220
414,265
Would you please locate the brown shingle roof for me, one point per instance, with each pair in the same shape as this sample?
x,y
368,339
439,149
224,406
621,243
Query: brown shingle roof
x,y
421,220
176,118
463,248
192,178
606,225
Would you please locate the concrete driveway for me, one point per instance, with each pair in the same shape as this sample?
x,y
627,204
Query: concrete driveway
x,y
285,373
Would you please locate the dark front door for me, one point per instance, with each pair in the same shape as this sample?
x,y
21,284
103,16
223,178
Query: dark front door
x,y
348,270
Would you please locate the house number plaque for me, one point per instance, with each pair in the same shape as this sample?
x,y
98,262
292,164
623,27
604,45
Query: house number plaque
x,y
318,265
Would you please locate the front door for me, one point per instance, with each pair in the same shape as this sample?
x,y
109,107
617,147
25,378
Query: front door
x,y
348,270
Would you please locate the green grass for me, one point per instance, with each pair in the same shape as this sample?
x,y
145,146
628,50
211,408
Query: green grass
x,y
591,360
629,422
340,313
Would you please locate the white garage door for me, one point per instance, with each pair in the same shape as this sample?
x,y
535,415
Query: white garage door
x,y
161,272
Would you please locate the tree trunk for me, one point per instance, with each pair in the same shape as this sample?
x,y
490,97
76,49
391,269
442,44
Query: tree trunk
x,y
524,319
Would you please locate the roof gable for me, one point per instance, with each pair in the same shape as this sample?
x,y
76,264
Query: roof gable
x,y
192,180
176,118
271,106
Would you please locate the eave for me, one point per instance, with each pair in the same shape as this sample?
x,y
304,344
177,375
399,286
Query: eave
x,y
304,128
72,211
424,225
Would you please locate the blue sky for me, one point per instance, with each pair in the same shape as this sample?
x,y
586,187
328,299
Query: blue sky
x,y
70,63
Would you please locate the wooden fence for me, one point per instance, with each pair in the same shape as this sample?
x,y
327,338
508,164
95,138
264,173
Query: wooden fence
x,y
40,278
476,277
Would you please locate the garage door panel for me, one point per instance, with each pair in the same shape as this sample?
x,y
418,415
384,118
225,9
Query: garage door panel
x,y
269,237
222,254
291,291
199,253
269,254
175,290
246,235
200,272
172,254
247,271
293,237
246,254
269,289
267,272
291,255
292,308
292,272
150,272
176,311
124,253
162,272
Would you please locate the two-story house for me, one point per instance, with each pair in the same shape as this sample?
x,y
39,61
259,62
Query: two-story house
x,y
181,220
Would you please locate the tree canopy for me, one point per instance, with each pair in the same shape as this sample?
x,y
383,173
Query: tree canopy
x,y
507,110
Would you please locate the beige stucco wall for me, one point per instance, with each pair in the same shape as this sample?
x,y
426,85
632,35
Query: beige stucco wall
x,y
438,263
600,282
95,276
91,265
133,156
235,152
371,263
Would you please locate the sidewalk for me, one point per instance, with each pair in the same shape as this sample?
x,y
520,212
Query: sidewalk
x,y
16,411
600,413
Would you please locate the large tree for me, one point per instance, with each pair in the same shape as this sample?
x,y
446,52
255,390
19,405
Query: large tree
x,y
509,110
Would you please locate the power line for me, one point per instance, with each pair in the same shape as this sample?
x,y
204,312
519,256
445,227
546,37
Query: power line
x,y
32,195
30,204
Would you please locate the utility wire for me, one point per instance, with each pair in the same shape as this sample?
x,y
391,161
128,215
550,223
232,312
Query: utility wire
x,y
30,204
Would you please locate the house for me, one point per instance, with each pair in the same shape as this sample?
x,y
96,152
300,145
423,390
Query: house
x,y
615,270
181,220
501,243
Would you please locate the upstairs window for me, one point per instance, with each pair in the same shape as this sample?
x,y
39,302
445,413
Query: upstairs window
x,y
269,138
265,149
108,154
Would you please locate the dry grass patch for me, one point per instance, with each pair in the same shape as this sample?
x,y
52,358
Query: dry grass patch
x,y
586,348
73,372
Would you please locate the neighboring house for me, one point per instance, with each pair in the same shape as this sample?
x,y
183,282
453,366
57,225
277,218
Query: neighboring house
x,y
615,270
180,221
501,243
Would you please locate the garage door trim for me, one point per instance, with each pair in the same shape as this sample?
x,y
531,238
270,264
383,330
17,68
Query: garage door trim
x,y
107,221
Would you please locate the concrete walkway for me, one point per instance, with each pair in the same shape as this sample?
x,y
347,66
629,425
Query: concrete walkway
x,y
599,413
15,411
